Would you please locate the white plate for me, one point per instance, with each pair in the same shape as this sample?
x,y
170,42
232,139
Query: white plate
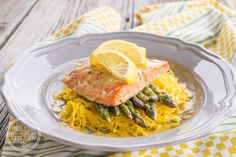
x,y
29,83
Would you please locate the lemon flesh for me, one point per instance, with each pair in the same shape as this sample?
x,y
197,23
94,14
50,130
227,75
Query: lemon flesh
x,y
118,64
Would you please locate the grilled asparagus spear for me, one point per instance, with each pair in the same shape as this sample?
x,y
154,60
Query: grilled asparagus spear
x,y
136,116
125,110
151,95
153,110
148,107
163,97
155,89
137,102
150,110
143,97
104,111
166,99
115,110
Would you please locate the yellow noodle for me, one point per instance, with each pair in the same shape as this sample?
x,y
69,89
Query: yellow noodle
x,y
81,114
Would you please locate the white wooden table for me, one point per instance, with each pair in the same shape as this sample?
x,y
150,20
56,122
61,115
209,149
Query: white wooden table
x,y
25,22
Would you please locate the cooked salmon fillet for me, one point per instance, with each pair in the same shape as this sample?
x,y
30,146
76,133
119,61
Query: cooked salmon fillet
x,y
98,85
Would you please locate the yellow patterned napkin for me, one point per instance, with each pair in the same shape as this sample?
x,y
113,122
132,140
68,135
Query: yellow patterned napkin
x,y
100,20
205,22
218,145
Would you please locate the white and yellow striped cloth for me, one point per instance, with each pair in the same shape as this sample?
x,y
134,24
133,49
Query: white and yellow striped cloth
x,y
205,22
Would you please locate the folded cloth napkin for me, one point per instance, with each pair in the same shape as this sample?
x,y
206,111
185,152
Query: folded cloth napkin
x,y
205,22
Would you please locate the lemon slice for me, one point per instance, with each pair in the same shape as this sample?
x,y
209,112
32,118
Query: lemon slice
x,y
131,50
118,64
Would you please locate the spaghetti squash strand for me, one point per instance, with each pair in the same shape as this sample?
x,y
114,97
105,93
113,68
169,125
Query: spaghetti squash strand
x,y
81,114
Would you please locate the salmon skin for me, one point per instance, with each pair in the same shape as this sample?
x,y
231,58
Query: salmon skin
x,y
98,85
